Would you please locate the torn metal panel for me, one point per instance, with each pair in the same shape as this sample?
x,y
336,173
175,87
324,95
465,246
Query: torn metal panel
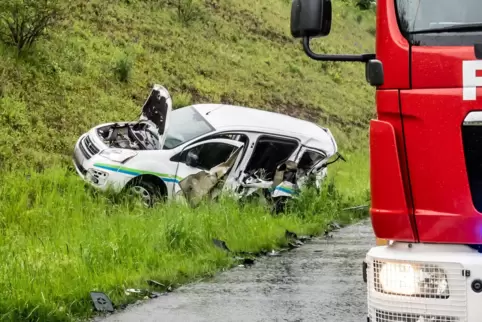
x,y
196,186
285,172
288,180
203,184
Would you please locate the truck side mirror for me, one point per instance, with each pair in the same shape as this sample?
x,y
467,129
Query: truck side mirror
x,y
310,18
374,72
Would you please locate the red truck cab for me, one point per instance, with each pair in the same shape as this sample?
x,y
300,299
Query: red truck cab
x,y
428,183
425,155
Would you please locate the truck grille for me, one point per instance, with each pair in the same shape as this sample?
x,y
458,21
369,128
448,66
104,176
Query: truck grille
x,y
472,140
428,303
382,316
88,148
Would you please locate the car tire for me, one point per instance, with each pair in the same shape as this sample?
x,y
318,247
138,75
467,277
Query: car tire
x,y
149,192
279,205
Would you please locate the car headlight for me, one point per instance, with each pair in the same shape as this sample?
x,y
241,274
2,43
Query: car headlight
x,y
421,280
118,155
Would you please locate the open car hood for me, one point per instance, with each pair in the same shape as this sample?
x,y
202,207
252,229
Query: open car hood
x,y
157,109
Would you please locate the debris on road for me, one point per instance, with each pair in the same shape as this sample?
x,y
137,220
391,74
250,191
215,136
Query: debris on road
x,y
290,235
275,289
304,239
334,226
155,283
273,253
144,293
221,244
244,259
102,302
327,235
248,259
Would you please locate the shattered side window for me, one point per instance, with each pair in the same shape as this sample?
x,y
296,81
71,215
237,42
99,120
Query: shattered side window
x,y
309,159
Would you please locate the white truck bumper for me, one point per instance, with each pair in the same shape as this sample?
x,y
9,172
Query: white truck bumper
x,y
424,283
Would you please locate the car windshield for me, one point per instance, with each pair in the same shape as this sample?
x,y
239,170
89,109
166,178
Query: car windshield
x,y
423,15
185,124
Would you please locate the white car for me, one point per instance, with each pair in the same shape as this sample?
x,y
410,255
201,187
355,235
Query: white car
x,y
153,155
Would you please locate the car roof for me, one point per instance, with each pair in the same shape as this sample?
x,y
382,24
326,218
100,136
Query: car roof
x,y
232,117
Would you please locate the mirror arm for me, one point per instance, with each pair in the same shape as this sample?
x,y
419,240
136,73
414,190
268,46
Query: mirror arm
x,y
346,58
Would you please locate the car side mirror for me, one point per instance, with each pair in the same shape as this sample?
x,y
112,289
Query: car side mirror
x,y
310,18
192,159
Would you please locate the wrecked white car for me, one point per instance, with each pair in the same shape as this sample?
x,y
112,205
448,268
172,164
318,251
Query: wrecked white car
x,y
200,150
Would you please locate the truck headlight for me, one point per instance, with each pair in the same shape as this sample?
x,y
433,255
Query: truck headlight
x,y
421,280
118,155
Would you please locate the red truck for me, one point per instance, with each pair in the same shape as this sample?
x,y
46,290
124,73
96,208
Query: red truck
x,y
425,155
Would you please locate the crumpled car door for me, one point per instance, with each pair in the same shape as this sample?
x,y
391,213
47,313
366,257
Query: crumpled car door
x,y
319,171
316,170
201,183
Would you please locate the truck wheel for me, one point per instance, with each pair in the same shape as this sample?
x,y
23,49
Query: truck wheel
x,y
148,192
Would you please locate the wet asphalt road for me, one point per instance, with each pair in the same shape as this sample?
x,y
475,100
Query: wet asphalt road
x,y
320,281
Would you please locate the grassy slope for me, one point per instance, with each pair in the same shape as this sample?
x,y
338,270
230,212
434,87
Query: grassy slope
x,y
59,241
237,52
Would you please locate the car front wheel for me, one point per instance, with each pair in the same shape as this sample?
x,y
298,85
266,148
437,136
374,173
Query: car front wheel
x,y
148,193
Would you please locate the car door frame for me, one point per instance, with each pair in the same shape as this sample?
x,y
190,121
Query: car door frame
x,y
253,145
232,181
262,135
239,145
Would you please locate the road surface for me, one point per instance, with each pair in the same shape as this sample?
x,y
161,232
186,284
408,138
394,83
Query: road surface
x,y
320,281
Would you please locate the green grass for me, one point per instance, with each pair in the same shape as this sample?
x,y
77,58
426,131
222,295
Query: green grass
x,y
352,177
59,241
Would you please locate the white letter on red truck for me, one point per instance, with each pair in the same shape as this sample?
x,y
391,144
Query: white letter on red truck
x,y
470,79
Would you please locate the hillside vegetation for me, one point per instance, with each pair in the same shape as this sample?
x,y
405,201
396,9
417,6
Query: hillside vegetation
x,y
59,241
98,65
